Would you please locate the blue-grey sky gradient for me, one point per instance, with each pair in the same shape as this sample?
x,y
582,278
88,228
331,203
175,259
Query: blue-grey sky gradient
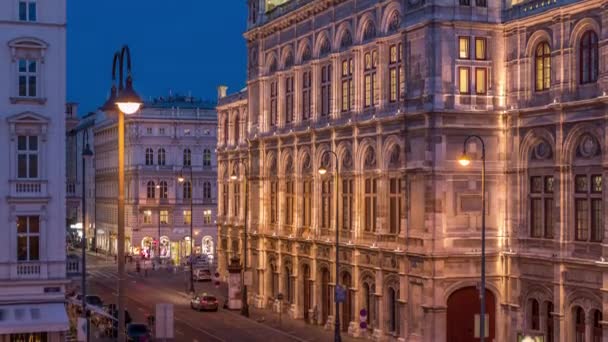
x,y
177,45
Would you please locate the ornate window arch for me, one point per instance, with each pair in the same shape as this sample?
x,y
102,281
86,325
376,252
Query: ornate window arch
x,y
149,156
28,57
394,22
588,57
369,31
346,40
150,190
542,63
161,157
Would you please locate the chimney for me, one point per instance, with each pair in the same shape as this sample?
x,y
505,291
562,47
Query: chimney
x,y
221,91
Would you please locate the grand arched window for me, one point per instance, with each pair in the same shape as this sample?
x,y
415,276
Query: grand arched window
x,y
161,156
588,190
543,66
163,189
392,310
207,157
187,157
588,58
187,190
151,190
149,156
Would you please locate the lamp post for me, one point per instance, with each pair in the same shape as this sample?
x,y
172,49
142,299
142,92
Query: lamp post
x,y
245,306
465,161
158,241
322,171
86,154
123,100
181,180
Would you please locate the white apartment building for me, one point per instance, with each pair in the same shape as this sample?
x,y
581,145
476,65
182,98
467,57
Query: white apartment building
x,y
166,139
32,195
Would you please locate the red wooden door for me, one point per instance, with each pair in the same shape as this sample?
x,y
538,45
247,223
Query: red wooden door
x,y
463,305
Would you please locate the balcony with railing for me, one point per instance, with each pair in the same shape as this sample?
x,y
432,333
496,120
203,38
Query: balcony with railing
x,y
28,188
32,270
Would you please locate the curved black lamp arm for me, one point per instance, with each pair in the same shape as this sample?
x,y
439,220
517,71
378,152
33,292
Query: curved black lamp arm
x,y
483,145
124,51
116,60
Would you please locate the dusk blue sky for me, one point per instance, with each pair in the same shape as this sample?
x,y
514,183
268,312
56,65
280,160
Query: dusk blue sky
x,y
179,45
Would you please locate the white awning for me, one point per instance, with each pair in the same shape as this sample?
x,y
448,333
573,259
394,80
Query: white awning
x,y
24,318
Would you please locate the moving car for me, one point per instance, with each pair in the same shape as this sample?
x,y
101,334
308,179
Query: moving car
x,y
138,332
202,274
204,302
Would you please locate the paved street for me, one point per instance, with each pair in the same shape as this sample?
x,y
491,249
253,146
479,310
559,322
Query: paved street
x,y
161,286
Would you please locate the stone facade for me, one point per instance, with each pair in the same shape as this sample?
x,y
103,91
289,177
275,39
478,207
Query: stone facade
x,y
166,139
33,191
394,88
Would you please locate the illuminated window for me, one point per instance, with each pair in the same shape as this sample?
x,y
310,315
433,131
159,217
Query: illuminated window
x,y
187,216
481,80
348,87
147,217
394,72
480,49
164,217
28,238
463,48
207,216
369,78
464,80
588,208
543,66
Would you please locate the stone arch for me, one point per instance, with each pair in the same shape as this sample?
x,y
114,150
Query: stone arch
x,y
304,161
271,164
389,11
539,292
286,165
365,20
535,39
448,291
460,315
287,57
531,140
573,138
580,28
388,149
322,37
272,62
28,43
304,52
344,36
362,151
317,162
344,152
584,298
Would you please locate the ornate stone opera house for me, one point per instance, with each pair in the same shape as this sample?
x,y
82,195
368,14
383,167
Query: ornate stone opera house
x,y
394,88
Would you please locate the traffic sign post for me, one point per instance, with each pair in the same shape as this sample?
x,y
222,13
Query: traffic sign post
x,y
363,319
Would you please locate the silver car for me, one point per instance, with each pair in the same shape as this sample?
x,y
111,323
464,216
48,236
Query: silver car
x,y
204,302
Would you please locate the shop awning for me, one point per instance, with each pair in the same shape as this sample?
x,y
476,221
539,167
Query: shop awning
x,y
24,318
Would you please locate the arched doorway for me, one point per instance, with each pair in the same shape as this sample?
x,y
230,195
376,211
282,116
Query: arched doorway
x,y
146,246
463,308
347,306
306,290
325,295
369,303
165,247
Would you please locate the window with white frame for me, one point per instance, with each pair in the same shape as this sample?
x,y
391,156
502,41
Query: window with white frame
x,y
147,217
161,156
28,77
207,158
27,157
164,217
149,156
187,216
28,238
27,10
207,216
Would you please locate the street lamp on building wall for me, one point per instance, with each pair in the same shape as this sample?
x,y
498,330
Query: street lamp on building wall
x,y
181,179
123,100
465,160
86,155
234,176
338,290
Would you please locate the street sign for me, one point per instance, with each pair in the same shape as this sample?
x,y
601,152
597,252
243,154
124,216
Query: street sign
x,y
248,278
164,321
363,319
340,294
82,329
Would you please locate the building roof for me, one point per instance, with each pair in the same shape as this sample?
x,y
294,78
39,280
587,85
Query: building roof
x,y
179,101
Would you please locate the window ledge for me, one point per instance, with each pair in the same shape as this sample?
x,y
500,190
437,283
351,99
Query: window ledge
x,y
28,100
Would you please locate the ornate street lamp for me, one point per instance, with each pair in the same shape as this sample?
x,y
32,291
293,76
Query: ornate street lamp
x,y
127,102
181,179
465,160
337,291
245,306
87,154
